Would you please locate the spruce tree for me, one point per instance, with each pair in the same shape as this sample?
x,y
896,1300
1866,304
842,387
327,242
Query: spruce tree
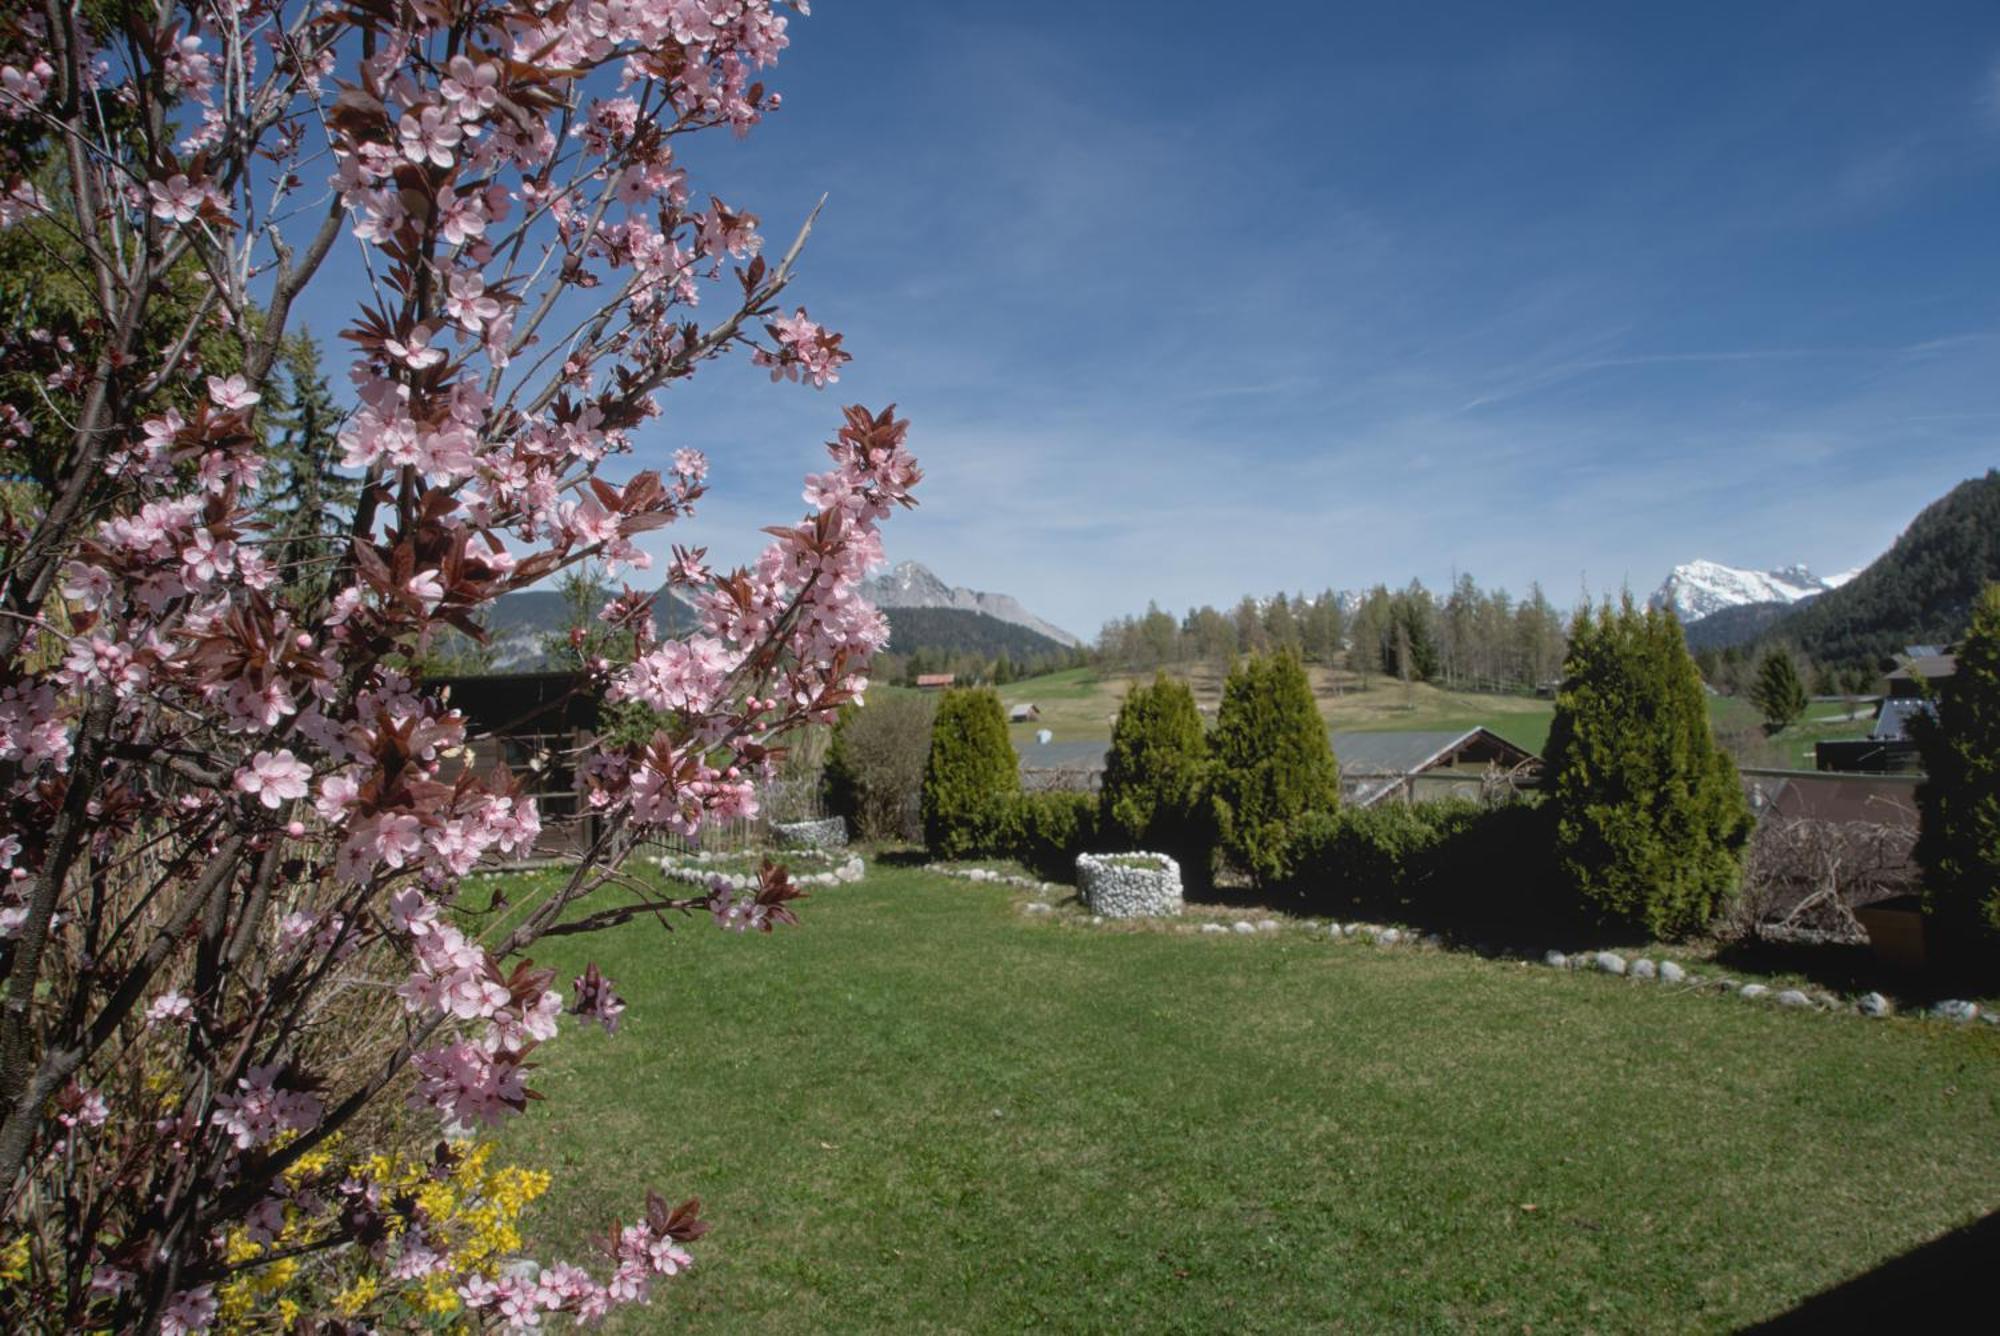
x,y
1778,692
1958,846
1650,819
1272,763
971,776
1156,775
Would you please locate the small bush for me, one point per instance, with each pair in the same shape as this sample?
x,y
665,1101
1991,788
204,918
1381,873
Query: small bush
x,y
1272,763
1047,830
971,777
1454,859
875,765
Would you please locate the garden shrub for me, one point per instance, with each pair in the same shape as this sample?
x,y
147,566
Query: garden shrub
x,y
1452,859
971,776
1650,819
1047,830
1958,846
1273,763
1154,795
874,772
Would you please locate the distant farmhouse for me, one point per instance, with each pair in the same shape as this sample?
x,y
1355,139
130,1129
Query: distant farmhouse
x,y
1890,747
935,681
1023,713
1422,766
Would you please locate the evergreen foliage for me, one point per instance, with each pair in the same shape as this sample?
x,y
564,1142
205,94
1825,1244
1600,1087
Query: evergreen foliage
x,y
1047,830
1273,763
1958,846
1154,795
1778,693
971,778
1650,820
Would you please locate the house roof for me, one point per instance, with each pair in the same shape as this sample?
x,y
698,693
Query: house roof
x,y
1930,667
1892,721
936,679
1411,753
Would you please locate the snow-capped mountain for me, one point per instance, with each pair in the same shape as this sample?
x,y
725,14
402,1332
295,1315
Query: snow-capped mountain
x,y
1698,589
909,585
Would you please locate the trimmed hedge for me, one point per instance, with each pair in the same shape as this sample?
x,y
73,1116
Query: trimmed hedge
x,y
971,778
1047,830
1272,764
1453,859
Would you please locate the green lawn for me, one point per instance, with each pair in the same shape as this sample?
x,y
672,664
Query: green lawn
x,y
924,1110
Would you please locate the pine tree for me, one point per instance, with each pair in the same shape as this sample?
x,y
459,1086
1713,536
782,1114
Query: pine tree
x,y
971,776
1778,692
1272,763
1156,776
1650,817
306,500
1958,846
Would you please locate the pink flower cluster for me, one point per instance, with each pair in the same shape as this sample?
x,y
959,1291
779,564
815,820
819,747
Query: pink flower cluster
x,y
257,1110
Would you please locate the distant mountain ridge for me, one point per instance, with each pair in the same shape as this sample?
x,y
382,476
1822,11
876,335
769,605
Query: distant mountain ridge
x,y
1700,589
924,614
911,585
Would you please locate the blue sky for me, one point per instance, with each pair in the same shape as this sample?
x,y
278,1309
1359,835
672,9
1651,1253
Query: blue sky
x,y
1186,300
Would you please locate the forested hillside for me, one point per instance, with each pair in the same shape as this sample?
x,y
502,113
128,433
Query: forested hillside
x,y
1920,591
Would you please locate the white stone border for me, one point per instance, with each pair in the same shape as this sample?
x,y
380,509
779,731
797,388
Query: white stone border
x,y
1130,885
695,868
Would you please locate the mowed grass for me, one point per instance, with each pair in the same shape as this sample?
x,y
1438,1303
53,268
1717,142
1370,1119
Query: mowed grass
x,y
925,1110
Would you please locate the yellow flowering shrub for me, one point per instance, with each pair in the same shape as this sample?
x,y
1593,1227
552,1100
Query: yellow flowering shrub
x,y
458,1211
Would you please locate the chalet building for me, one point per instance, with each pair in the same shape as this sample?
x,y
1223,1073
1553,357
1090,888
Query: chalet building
x,y
935,681
1023,714
1917,671
1890,747
1420,766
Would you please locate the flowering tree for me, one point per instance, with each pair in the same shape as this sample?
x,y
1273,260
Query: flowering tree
x,y
237,827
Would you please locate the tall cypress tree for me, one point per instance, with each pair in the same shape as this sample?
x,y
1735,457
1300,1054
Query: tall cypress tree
x,y
1778,692
1958,846
971,777
1650,817
1273,763
1156,776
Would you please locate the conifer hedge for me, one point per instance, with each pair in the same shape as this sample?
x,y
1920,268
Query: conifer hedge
x,y
1155,791
1958,846
971,778
1650,819
1273,763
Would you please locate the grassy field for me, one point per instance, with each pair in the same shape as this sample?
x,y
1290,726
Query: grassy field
x,y
1080,706
924,1110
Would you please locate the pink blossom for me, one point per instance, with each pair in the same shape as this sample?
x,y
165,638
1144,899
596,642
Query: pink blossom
x,y
181,200
430,135
258,1110
233,393
189,1313
170,1008
274,778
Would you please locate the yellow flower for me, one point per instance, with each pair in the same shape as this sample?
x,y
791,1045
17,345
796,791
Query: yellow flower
x,y
356,1296
14,1259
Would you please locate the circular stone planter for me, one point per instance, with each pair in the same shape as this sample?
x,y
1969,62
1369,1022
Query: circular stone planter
x,y
1129,885
828,834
